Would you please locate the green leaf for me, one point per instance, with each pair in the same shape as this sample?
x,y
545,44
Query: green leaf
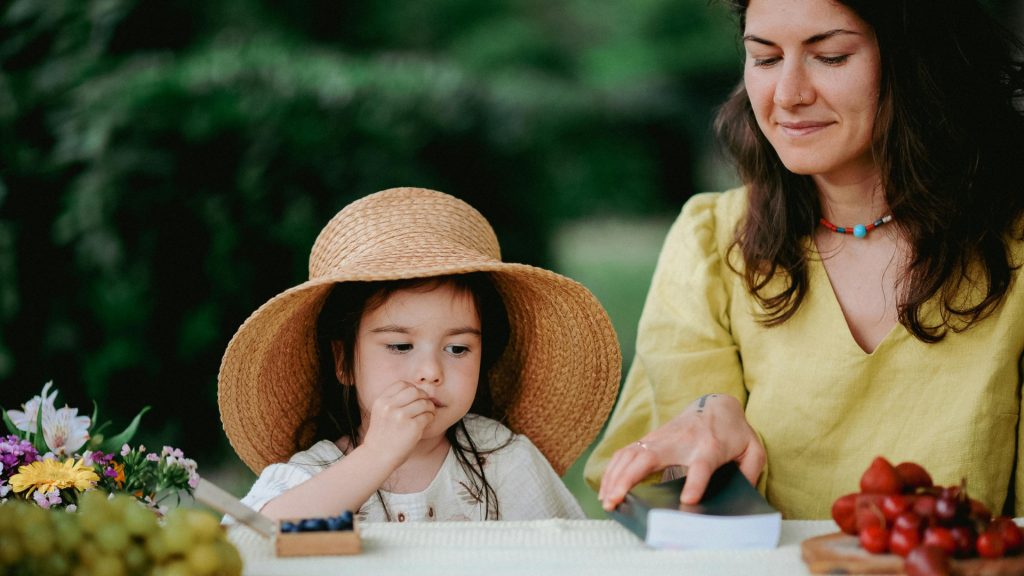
x,y
10,425
115,442
98,430
38,440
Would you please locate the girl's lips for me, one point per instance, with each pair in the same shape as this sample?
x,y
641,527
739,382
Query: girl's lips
x,y
802,128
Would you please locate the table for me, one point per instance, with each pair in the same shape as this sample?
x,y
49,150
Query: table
x,y
541,547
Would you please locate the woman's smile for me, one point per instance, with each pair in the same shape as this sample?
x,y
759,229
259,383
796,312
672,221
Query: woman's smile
x,y
803,128
812,75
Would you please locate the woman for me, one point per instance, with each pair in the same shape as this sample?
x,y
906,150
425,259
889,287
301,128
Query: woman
x,y
860,295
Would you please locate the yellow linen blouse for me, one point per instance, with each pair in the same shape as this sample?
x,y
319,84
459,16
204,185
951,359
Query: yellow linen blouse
x,y
822,406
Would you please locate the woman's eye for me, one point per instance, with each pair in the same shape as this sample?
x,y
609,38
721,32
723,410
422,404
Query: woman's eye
x,y
833,60
399,347
764,62
456,350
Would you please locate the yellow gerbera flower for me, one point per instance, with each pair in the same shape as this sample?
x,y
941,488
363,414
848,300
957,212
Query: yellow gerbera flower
x,y
45,475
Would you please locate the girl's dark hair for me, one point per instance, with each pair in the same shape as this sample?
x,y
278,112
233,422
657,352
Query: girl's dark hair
x,y
339,407
949,141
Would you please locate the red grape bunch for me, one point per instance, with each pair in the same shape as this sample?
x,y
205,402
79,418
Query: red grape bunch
x,y
899,510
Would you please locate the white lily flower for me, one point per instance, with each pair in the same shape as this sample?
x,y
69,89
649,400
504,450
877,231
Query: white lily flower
x,y
65,431
25,419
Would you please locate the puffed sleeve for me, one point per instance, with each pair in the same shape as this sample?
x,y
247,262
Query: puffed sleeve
x,y
277,479
684,345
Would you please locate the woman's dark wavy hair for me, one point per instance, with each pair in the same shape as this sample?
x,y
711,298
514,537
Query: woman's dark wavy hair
x,y
949,141
339,407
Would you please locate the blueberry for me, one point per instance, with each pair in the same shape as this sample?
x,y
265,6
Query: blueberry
x,y
287,526
341,522
312,525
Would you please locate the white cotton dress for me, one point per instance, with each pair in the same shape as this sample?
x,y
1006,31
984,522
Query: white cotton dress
x,y
526,486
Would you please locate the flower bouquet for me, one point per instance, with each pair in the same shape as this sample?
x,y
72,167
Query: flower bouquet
x,y
52,455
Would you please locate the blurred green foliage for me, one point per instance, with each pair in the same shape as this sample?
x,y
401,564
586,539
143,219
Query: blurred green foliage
x,y
165,165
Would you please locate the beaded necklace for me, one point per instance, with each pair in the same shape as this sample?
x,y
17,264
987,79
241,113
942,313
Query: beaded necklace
x,y
860,230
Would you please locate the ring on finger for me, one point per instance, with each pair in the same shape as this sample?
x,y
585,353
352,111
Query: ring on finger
x,y
641,445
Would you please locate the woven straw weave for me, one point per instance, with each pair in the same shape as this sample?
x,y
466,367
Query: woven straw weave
x,y
556,382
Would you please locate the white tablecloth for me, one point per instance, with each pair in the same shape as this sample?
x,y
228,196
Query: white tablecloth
x,y
563,547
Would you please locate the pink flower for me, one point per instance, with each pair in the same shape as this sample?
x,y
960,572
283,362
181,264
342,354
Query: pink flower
x,y
47,499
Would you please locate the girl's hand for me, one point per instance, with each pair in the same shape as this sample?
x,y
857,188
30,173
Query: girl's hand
x,y
710,432
398,418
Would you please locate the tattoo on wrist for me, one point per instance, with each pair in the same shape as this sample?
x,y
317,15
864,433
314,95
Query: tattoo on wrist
x,y
702,400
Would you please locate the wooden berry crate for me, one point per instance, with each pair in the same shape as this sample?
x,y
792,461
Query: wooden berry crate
x,y
842,554
323,543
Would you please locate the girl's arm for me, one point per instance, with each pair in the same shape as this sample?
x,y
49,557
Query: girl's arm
x,y
397,420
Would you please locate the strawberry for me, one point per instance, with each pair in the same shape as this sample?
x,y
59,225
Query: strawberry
x,y
914,476
881,477
868,511
843,513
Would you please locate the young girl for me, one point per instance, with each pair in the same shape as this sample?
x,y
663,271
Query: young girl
x,y
384,384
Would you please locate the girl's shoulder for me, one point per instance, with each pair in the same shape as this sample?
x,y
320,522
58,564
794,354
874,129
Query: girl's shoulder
x,y
318,456
488,434
502,449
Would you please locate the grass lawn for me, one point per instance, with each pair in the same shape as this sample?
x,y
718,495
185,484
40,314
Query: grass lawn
x,y
615,260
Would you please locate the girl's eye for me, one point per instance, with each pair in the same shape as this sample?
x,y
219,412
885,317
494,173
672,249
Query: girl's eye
x,y
456,350
399,347
833,60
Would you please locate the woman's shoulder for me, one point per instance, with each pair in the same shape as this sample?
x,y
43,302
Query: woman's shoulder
x,y
1015,242
728,204
707,223
717,210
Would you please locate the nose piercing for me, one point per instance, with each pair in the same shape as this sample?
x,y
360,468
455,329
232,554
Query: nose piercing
x,y
800,98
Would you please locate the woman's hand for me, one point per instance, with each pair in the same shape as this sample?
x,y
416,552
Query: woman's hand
x,y
398,418
710,432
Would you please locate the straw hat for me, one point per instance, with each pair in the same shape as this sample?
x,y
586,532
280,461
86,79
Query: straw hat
x,y
556,381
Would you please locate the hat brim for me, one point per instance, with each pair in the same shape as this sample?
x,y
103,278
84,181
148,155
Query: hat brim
x,y
556,381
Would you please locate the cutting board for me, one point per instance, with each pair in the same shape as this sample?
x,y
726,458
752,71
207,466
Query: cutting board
x,y
841,554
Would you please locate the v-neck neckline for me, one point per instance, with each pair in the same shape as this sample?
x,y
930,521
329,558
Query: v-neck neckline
x,y
819,281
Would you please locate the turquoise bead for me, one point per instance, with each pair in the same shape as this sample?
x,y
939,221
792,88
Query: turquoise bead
x,y
860,231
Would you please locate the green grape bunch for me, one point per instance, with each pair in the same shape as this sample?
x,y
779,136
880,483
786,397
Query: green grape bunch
x,y
114,536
